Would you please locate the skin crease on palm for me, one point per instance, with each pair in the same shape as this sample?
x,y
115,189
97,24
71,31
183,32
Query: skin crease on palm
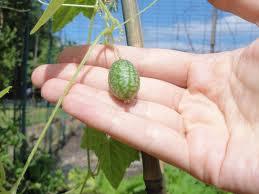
x,y
197,112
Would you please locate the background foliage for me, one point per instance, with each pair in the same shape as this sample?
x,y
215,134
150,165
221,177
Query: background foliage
x,y
12,29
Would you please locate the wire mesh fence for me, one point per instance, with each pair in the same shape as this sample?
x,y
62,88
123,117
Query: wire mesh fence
x,y
37,114
180,24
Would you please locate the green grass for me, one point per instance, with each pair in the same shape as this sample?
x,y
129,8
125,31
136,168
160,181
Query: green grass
x,y
176,182
180,182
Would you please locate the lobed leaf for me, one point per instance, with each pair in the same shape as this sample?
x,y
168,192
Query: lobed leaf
x,y
114,157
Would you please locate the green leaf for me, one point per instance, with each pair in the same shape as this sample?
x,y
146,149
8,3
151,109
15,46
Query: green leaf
x,y
66,14
114,157
48,13
2,174
5,91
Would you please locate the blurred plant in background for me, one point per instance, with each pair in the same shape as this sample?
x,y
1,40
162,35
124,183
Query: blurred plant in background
x,y
12,24
177,182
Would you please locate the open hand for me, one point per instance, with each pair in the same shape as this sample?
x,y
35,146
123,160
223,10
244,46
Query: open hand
x,y
197,112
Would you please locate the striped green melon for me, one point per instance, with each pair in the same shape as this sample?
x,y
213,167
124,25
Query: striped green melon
x,y
123,80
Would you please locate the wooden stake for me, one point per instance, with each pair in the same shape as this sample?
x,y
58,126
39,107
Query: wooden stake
x,y
151,169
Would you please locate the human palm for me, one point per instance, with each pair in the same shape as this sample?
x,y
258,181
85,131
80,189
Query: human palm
x,y
198,112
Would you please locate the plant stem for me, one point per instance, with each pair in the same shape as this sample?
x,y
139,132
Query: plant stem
x,y
89,171
105,9
14,9
70,5
43,133
85,181
90,28
139,13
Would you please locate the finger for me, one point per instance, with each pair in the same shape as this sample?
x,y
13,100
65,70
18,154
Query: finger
x,y
168,65
144,135
65,71
54,88
150,89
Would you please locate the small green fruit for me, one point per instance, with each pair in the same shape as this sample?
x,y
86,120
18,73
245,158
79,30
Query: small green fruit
x,y
124,80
